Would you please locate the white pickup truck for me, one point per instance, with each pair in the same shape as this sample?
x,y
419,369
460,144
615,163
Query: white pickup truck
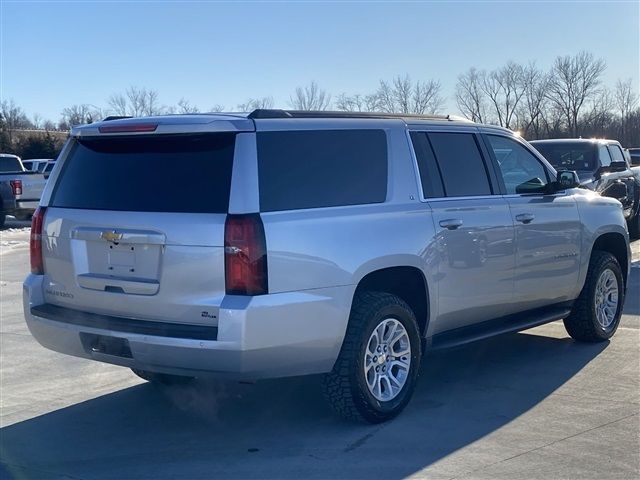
x,y
20,190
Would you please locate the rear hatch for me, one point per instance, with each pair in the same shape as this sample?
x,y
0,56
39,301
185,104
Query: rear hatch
x,y
135,226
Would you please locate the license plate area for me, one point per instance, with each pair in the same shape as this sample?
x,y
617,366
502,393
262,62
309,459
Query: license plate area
x,y
105,345
117,261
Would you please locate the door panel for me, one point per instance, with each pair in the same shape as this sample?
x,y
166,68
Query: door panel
x,y
547,227
476,259
547,230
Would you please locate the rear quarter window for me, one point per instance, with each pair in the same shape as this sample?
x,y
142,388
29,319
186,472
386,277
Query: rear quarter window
x,y
321,168
154,173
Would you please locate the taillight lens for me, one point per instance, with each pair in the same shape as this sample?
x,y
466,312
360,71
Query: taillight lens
x,y
129,128
245,255
35,243
16,186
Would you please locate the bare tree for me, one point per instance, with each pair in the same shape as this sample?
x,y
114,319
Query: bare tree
x,y
402,95
37,121
80,114
310,97
574,80
504,87
137,102
626,101
118,104
530,110
357,103
185,107
469,95
599,115
252,104
426,97
12,117
217,108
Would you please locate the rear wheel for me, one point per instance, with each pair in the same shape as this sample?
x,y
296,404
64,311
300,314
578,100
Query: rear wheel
x,y
596,313
162,378
376,371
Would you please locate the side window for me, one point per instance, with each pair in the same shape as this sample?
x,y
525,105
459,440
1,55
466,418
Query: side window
x,y
460,162
605,157
616,153
321,168
521,171
427,166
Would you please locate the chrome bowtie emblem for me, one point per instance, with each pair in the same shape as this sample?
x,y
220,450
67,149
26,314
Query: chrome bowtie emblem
x,y
111,236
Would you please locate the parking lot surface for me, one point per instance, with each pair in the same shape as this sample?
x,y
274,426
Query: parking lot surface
x,y
527,405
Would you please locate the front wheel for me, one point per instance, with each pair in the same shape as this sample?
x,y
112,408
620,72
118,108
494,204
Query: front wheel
x,y
376,371
596,313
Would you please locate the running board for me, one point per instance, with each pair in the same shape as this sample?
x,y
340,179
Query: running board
x,y
499,326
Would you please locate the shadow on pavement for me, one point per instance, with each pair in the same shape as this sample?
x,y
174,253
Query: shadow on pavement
x,y
632,300
283,428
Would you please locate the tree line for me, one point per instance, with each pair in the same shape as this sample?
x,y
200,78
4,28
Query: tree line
x,y
569,99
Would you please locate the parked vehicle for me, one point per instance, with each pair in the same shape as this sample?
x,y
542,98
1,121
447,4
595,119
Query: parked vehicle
x,y
634,153
601,166
37,164
20,190
299,243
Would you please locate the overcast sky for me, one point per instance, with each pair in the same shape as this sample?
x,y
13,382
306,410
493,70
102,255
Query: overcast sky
x,y
55,54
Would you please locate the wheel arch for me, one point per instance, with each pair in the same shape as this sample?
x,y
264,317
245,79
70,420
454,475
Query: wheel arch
x,y
615,244
407,282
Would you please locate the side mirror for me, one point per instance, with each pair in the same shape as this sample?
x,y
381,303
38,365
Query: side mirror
x,y
46,175
618,166
567,179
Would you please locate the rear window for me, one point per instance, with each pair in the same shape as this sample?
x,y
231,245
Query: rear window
x,y
10,164
160,173
321,168
569,156
461,164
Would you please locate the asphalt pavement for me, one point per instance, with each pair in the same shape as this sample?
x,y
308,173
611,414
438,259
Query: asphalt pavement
x,y
528,405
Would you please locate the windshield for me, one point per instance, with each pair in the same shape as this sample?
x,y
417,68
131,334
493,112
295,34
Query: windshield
x,y
569,156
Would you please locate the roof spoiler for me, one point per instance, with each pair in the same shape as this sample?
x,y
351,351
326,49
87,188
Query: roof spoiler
x,y
115,117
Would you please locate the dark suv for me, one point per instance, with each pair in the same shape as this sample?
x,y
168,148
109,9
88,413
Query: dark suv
x,y
601,166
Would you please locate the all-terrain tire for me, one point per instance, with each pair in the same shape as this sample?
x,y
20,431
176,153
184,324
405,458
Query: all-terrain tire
x,y
345,387
162,378
582,324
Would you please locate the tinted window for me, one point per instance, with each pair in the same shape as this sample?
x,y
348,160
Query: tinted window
x,y
605,157
162,173
616,153
429,173
521,171
10,164
569,156
321,168
462,167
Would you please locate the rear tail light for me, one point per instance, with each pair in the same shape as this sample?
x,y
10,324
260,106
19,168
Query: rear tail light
x,y
16,187
245,255
35,243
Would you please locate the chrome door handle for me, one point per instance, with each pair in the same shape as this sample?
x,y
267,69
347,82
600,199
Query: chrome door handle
x,y
451,223
525,217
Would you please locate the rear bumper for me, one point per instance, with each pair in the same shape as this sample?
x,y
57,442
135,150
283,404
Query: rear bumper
x,y
27,205
277,335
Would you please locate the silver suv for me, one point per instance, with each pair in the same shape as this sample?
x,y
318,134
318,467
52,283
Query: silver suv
x,y
290,243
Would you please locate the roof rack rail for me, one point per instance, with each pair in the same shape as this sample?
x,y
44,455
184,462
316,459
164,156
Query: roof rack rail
x,y
278,113
115,117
